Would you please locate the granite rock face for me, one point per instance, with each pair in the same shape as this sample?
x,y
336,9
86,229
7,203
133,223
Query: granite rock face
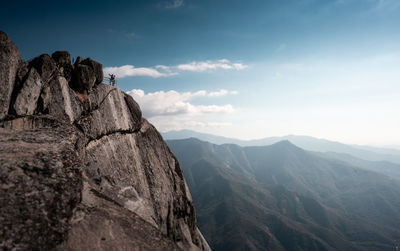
x,y
62,101
27,98
109,226
45,66
40,182
108,112
10,59
80,168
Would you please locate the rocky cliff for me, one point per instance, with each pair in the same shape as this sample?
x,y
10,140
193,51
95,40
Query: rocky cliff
x,y
80,168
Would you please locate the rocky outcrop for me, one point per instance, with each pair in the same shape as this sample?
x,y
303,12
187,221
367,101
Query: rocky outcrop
x,y
29,94
80,168
63,61
45,66
86,74
10,59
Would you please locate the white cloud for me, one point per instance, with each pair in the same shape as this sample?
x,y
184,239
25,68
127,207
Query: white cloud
x,y
178,103
221,92
211,65
132,71
167,71
195,124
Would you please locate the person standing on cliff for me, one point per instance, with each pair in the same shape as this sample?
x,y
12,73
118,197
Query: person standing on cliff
x,y
112,79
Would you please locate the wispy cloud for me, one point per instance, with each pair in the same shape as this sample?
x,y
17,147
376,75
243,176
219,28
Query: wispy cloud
x,y
130,34
132,71
386,5
196,124
165,124
127,34
178,103
167,71
211,65
174,4
221,92
372,6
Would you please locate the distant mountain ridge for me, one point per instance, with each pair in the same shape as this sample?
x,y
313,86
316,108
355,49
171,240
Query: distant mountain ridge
x,y
305,142
384,167
281,197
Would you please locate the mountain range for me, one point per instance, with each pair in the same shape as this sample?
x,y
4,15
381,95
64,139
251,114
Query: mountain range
x,y
281,197
306,142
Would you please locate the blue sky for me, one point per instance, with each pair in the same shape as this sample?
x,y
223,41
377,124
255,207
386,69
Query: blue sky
x,y
244,69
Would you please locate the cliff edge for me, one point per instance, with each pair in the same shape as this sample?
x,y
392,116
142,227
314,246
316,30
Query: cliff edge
x,y
80,169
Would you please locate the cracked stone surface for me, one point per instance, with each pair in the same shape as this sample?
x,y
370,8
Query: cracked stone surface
x,y
10,59
109,227
63,102
40,184
108,112
28,96
80,168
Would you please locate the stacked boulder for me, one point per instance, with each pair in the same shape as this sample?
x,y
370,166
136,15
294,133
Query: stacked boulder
x,y
87,73
36,79
80,168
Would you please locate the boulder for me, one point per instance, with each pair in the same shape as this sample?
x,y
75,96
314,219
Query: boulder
x,y
10,59
78,60
61,57
96,67
26,101
83,78
63,61
40,185
66,71
86,74
45,66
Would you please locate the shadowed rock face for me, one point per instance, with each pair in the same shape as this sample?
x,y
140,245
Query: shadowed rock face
x,y
80,168
10,59
63,61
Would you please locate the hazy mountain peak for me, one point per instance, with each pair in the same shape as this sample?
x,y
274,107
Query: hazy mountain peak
x,y
284,143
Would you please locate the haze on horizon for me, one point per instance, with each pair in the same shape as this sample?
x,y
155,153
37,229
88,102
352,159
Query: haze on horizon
x,y
241,69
